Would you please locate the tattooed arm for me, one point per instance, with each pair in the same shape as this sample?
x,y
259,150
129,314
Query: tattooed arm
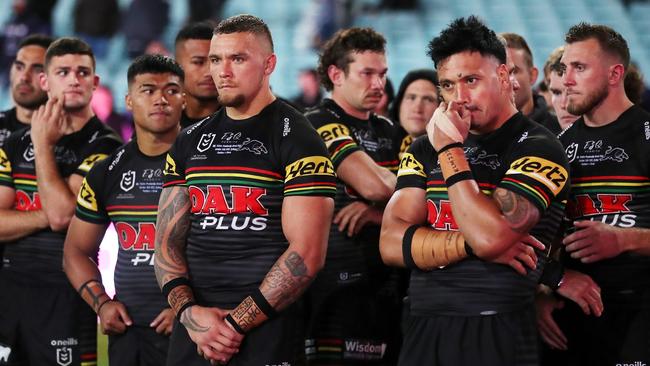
x,y
81,246
305,223
206,326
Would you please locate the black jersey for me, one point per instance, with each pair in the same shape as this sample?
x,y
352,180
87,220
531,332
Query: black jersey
x,y
610,182
124,189
237,173
543,116
522,157
9,123
40,255
343,135
187,121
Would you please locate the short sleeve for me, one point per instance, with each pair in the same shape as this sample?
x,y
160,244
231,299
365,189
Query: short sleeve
x,y
538,170
336,135
99,150
307,166
6,178
174,171
412,172
90,207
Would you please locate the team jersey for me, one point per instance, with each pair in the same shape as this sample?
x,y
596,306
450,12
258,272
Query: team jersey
x,y
343,135
522,157
610,182
237,173
124,189
9,123
187,121
40,255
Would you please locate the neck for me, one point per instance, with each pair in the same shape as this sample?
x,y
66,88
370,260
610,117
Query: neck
x,y
24,115
507,111
200,108
348,108
528,107
253,107
154,144
609,109
76,120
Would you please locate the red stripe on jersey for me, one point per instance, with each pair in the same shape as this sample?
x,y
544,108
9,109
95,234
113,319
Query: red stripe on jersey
x,y
390,162
121,207
28,176
311,184
231,168
174,182
610,177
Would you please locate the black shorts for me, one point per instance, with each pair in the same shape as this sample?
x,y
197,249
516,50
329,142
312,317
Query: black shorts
x,y
138,346
350,322
276,342
45,325
620,336
507,339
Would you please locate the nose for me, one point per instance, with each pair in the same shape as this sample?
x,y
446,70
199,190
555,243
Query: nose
x,y
515,83
462,93
568,77
379,81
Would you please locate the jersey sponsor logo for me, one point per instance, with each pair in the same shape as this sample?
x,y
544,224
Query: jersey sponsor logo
x,y
252,145
612,208
25,202
406,142
116,160
310,165
141,237
214,201
410,166
28,154
646,130
476,157
286,128
5,165
231,136
170,166
4,134
128,180
439,216
360,349
86,197
616,154
333,132
550,174
205,142
90,161
5,351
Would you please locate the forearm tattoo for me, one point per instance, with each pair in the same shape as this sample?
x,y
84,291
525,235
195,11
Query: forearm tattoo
x,y
93,292
172,227
286,280
518,211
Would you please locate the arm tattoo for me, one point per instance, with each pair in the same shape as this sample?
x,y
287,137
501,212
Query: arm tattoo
x,y
172,227
187,319
94,291
518,211
286,280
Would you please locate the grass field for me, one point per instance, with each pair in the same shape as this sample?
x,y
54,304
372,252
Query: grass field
x,y
102,348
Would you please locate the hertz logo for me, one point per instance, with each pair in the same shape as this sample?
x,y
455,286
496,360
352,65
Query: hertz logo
x,y
5,165
409,166
333,132
170,166
86,197
90,161
552,175
311,165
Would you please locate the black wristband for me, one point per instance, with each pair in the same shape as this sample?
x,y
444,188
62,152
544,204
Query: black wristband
x,y
99,308
234,324
170,285
552,274
183,308
458,177
406,246
450,146
87,283
263,304
468,249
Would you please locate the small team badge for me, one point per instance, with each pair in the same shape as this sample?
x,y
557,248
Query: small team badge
x,y
128,180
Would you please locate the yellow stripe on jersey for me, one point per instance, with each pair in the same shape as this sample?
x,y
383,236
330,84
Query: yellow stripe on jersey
x,y
133,213
310,165
5,165
550,174
229,175
410,166
90,161
333,132
86,197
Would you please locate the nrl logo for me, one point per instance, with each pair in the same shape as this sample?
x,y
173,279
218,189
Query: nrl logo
x,y
29,153
64,356
128,180
206,141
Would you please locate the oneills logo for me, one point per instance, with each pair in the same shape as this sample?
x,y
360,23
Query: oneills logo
x,y
552,175
311,165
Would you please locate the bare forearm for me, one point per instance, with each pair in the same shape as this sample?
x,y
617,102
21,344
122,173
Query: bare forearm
x,y
19,224
85,277
636,240
288,279
57,199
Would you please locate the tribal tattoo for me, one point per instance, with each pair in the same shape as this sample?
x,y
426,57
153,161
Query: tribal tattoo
x,y
518,211
286,280
93,292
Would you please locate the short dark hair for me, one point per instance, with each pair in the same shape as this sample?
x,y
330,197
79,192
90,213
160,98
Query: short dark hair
x,y
338,50
517,42
609,40
68,46
633,84
196,30
466,34
411,76
244,23
153,64
38,39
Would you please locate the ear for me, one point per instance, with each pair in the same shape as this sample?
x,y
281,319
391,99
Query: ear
x,y
534,73
129,102
335,74
269,66
616,74
504,76
95,82
42,80
184,96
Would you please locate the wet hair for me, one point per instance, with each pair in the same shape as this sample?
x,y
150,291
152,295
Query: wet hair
x,y
609,40
245,23
517,42
466,34
68,46
41,40
338,50
197,30
411,76
153,64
